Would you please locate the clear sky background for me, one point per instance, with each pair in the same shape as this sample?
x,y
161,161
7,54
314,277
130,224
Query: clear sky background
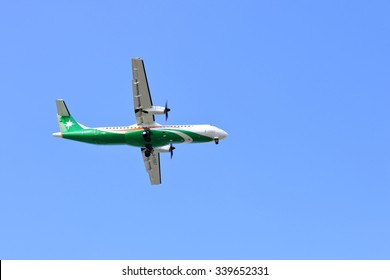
x,y
302,88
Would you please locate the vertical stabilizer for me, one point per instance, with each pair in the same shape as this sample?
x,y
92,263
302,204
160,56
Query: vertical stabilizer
x,y
66,122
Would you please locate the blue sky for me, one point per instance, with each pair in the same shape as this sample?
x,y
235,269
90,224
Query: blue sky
x,y
302,88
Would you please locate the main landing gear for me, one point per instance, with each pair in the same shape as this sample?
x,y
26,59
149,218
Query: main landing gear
x,y
146,134
148,150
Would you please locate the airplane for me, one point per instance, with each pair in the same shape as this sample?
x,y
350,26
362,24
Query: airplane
x,y
152,138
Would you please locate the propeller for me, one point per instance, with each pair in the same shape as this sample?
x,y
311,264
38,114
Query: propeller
x,y
171,148
141,110
166,110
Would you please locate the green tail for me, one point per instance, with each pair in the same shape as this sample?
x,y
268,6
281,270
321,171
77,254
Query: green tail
x,y
65,120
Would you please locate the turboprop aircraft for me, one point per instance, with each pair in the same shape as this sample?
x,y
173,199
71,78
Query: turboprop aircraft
x,y
147,134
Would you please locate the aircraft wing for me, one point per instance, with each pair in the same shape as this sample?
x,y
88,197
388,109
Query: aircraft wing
x,y
141,93
152,165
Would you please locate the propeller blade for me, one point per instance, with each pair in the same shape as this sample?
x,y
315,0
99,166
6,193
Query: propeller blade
x,y
166,110
141,110
171,148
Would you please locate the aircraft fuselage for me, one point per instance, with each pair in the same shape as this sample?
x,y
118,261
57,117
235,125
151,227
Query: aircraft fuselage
x,y
135,135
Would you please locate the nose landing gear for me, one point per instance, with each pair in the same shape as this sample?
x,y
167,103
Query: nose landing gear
x,y
216,140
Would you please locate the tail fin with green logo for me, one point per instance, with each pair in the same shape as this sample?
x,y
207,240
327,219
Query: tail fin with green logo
x,y
65,120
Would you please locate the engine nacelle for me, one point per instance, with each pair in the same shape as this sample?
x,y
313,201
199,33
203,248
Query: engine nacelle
x,y
163,149
155,110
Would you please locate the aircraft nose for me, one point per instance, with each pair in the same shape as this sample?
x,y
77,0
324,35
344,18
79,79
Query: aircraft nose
x,y
222,134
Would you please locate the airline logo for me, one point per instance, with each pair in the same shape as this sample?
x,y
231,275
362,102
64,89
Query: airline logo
x,y
68,124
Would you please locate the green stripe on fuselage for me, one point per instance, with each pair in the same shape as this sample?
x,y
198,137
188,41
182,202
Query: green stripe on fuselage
x,y
159,137
95,136
196,137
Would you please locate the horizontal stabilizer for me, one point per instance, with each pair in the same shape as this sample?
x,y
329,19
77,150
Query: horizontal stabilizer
x,y
62,110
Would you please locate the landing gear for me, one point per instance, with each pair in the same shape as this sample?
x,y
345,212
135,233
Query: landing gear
x,y
148,150
216,140
146,134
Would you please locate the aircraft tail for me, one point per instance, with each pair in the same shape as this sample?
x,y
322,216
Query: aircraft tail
x,y
66,122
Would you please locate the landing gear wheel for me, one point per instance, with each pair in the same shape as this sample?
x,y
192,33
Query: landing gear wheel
x,y
216,140
146,135
148,150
